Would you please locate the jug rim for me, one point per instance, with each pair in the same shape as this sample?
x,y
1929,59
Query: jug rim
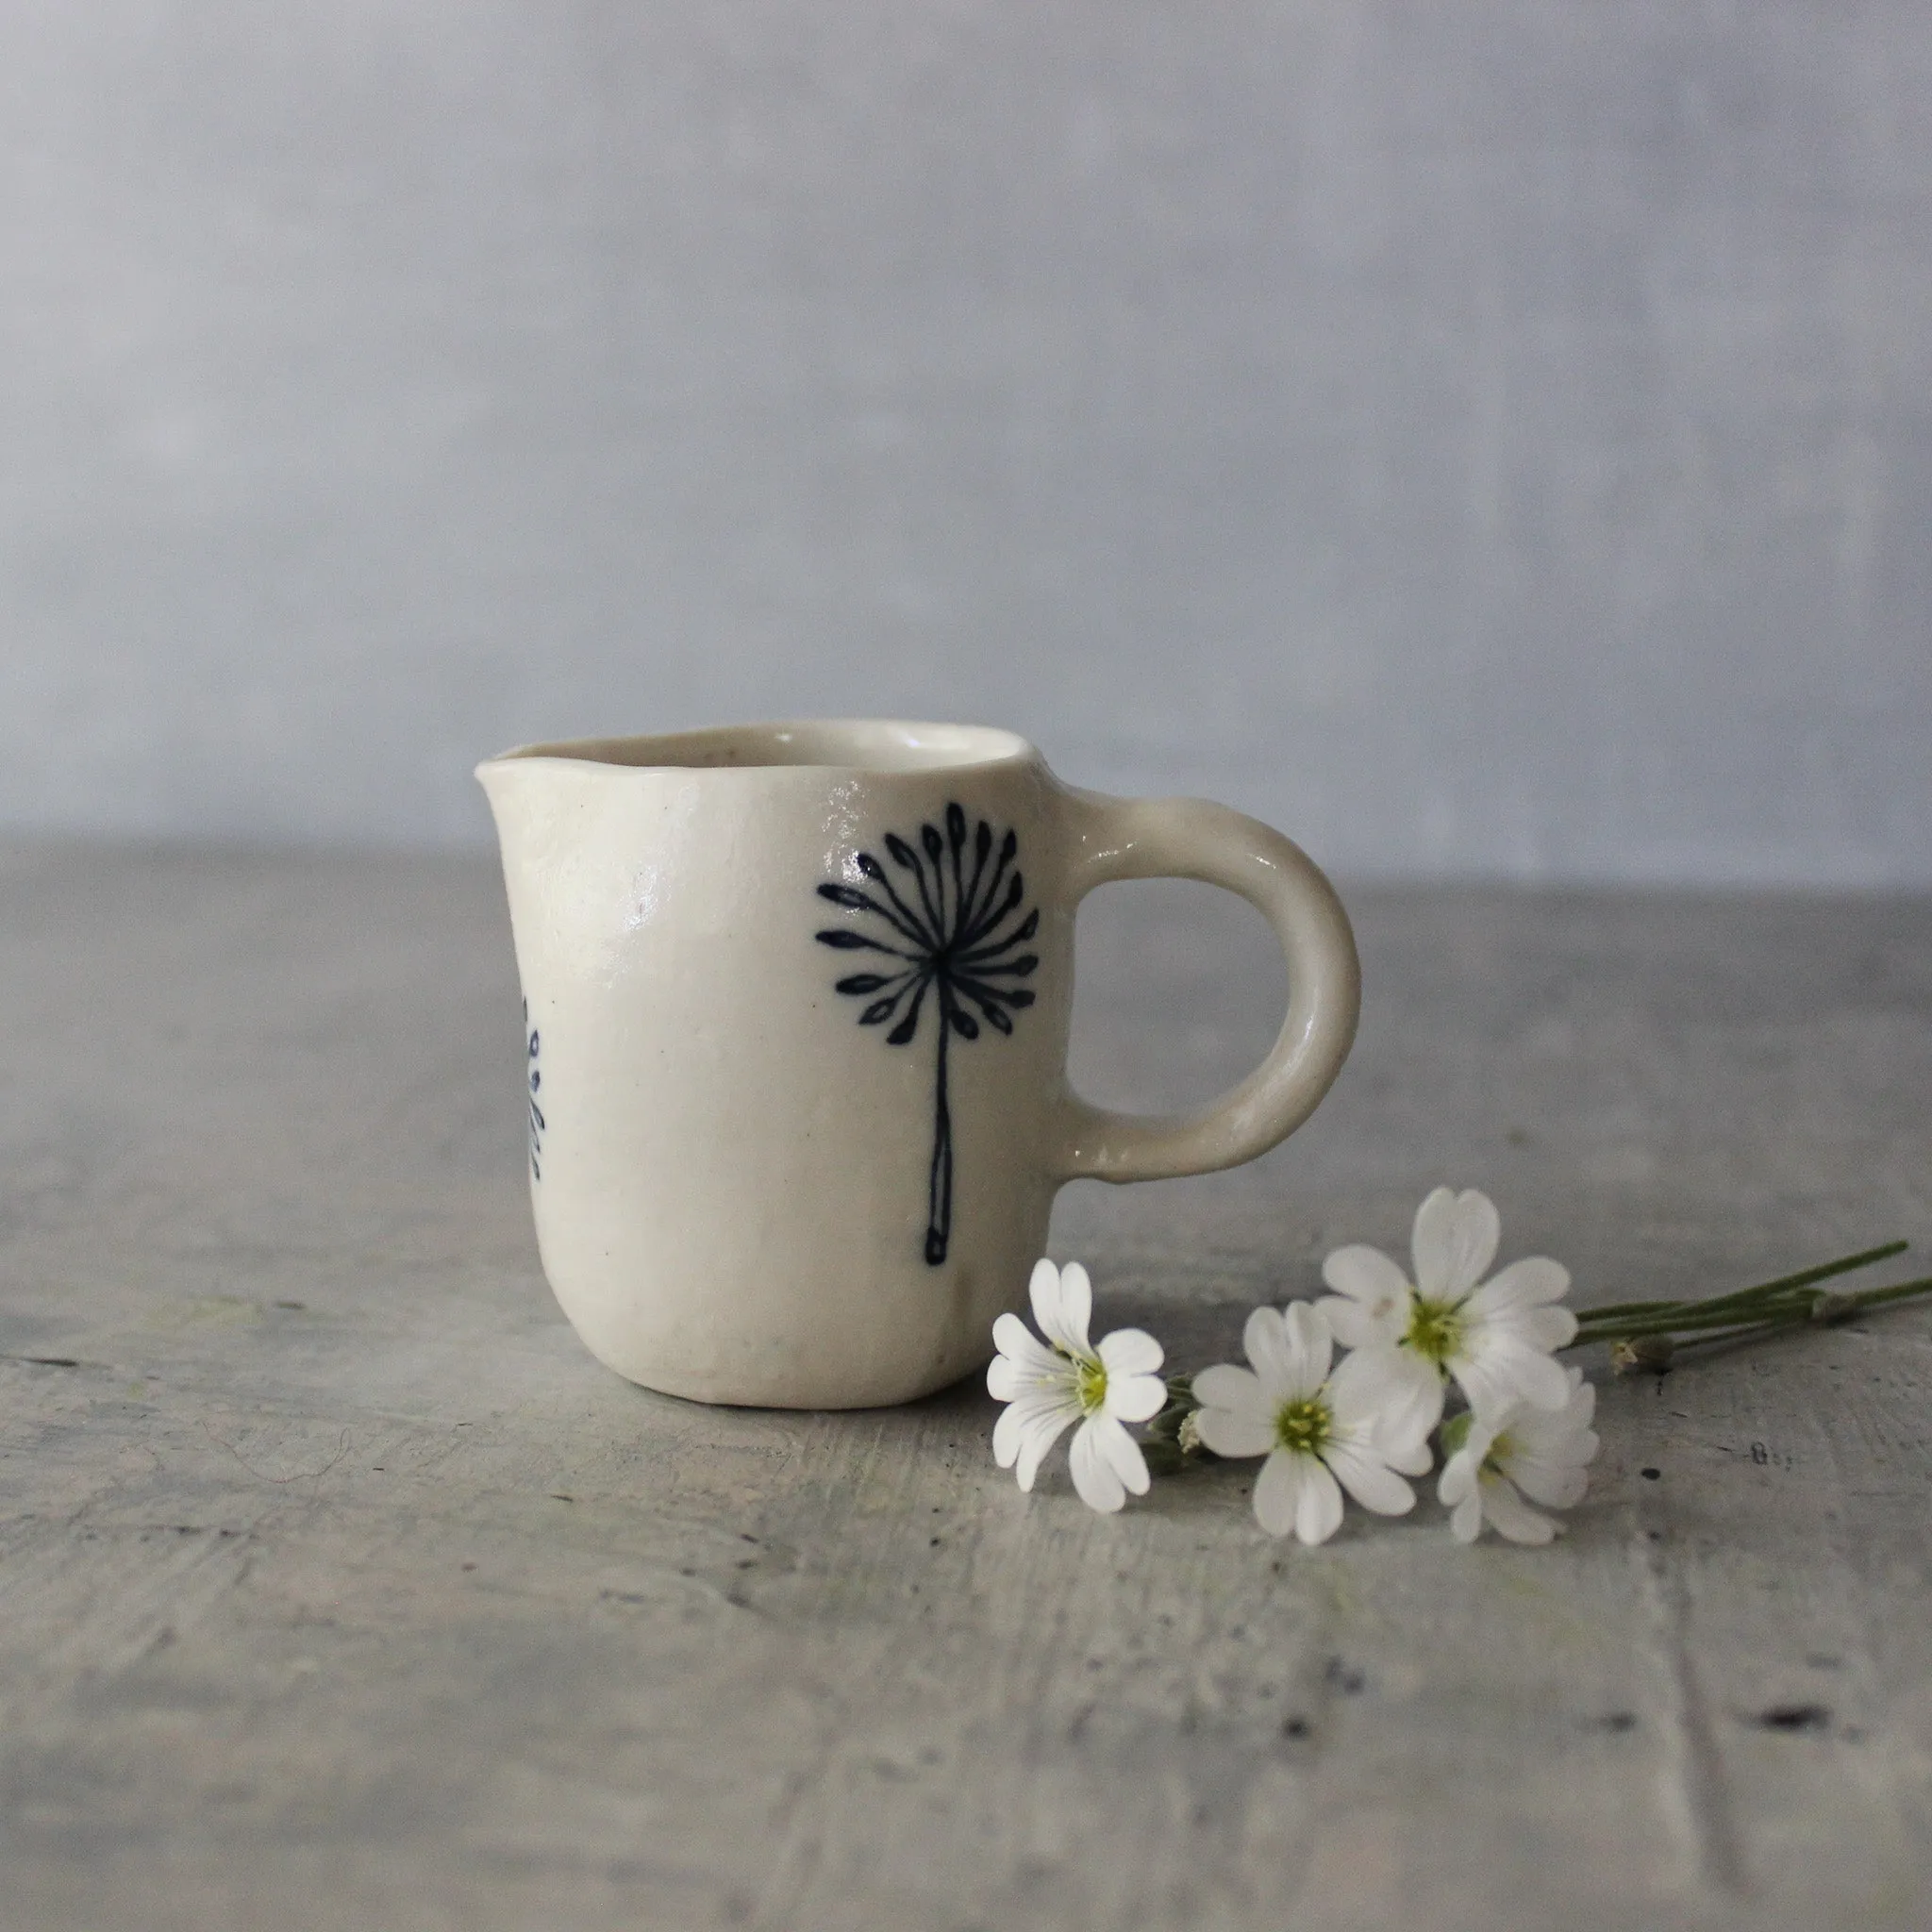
x,y
870,746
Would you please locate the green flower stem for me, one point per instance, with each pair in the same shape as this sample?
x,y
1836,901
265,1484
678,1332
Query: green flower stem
x,y
1792,1312
1760,1331
1744,1296
1788,1284
1680,1324
1632,1310
1870,1298
1841,1309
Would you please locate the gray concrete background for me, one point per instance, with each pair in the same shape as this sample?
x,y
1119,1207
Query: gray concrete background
x,y
1490,438
342,1591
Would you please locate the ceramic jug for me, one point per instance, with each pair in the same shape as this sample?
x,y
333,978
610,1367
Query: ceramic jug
x,y
796,1008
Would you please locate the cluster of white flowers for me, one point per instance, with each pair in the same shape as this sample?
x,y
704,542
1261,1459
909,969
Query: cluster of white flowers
x,y
1363,1425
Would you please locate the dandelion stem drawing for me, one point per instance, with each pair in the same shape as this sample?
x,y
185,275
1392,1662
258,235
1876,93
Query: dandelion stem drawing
x,y
950,925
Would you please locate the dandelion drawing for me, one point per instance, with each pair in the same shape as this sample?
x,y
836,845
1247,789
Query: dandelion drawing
x,y
537,1119
951,927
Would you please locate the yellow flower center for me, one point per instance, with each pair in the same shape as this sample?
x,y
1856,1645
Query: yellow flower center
x,y
1435,1330
1090,1385
1303,1427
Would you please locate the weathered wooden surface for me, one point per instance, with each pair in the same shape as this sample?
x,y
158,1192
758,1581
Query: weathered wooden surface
x,y
339,1586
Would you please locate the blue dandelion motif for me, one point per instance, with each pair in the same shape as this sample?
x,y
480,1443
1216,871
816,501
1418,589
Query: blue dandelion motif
x,y
537,1121
952,924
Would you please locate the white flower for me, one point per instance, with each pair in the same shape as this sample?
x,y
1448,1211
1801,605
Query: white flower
x,y
1355,1428
1521,1452
1496,1340
1047,1388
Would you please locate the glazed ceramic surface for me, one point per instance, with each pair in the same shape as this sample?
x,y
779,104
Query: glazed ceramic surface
x,y
796,1000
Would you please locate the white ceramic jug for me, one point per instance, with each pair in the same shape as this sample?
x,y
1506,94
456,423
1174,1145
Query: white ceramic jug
x,y
797,1000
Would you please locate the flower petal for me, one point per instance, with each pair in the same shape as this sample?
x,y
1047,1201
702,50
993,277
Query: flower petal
x,y
1392,1390
1077,1309
1572,1449
1544,1328
1227,1385
1523,1284
1012,1337
1513,1516
1006,1435
1297,1349
1235,1417
1278,1489
1485,1428
1264,1339
1466,1519
1134,1398
1234,1436
1495,1370
1121,1452
1563,1435
1318,1514
1371,1299
1130,1352
1094,1478
1488,1384
1063,1305
1022,1364
1457,1480
1562,1448
1040,1426
1454,1242
1582,1405
1556,1484
1351,1324
1368,1478
1547,1329
1019,1422
1043,1290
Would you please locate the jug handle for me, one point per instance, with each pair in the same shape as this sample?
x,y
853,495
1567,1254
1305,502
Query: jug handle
x,y
1192,838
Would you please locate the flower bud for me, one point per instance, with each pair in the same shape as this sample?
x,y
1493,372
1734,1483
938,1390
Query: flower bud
x,y
1642,1354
